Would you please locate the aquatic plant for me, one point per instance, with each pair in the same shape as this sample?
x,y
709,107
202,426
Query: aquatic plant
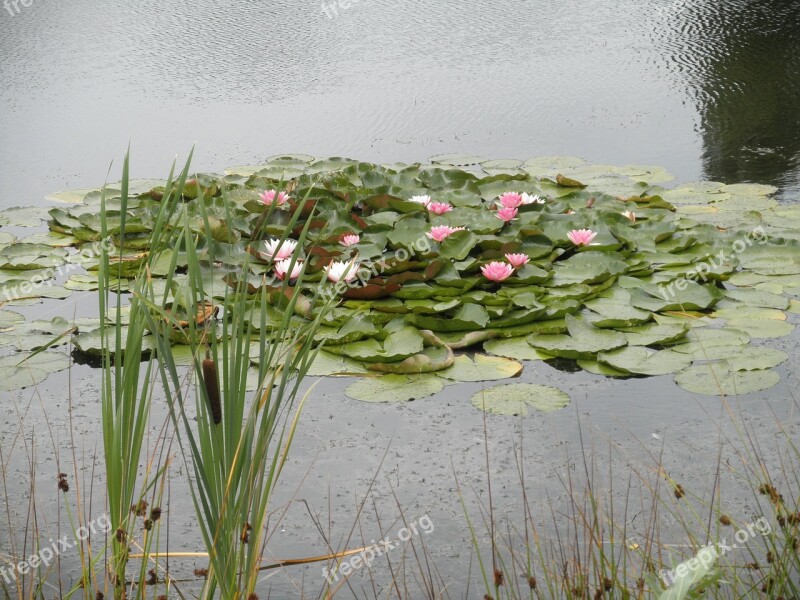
x,y
623,276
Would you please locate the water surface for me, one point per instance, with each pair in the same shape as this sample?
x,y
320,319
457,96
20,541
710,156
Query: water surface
x,y
706,89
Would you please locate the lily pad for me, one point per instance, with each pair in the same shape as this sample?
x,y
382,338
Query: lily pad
x,y
762,328
395,388
516,347
515,399
329,364
584,340
25,369
715,379
643,361
481,368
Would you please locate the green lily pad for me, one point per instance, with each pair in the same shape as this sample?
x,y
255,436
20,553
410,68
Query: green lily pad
x,y
756,357
481,368
758,298
584,340
31,256
598,368
515,399
762,328
25,369
711,344
34,335
643,361
655,334
395,388
327,364
715,379
516,347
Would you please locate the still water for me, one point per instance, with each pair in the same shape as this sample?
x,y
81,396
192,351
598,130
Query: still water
x,y
707,89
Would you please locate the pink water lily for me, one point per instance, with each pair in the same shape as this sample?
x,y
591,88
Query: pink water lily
x,y
630,215
497,271
531,199
424,200
506,213
350,240
341,271
510,200
442,232
282,269
279,250
275,197
439,208
581,237
517,260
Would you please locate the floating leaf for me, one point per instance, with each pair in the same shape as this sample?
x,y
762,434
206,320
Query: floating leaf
x,y
714,379
516,398
584,340
329,364
481,368
762,328
25,369
710,344
9,319
643,361
394,388
516,347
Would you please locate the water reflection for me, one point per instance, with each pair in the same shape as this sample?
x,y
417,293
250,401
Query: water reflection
x,y
741,60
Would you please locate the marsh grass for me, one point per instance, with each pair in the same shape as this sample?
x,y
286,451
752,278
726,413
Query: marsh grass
x,y
586,548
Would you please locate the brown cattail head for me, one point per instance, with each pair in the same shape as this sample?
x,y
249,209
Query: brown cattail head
x,y
212,389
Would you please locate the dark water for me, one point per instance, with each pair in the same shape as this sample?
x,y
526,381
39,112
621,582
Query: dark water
x,y
707,89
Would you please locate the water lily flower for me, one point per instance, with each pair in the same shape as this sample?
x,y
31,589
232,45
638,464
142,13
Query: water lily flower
x,y
442,232
282,269
531,199
497,271
350,240
424,200
506,213
270,197
517,260
341,271
511,200
581,237
630,215
279,250
439,208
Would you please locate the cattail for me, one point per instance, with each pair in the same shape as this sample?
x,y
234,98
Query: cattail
x,y
212,389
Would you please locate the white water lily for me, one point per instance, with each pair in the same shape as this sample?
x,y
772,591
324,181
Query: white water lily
x,y
279,250
341,271
531,198
424,200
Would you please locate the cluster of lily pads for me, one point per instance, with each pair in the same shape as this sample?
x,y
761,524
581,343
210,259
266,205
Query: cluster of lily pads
x,y
459,269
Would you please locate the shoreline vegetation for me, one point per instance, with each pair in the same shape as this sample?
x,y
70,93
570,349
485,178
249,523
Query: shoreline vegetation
x,y
224,292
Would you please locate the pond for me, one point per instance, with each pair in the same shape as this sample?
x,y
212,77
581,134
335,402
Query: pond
x,y
707,90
